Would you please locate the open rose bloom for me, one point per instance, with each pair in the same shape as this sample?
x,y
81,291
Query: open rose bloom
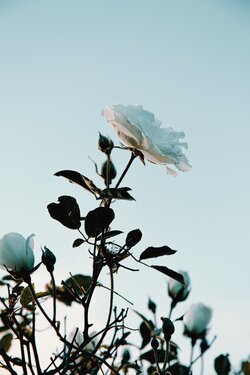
x,y
197,319
16,252
139,129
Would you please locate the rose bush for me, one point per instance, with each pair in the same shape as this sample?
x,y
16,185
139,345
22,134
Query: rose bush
x,y
196,319
177,291
16,252
139,129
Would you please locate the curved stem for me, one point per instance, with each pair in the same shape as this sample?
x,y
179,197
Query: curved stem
x,y
132,157
202,365
109,313
23,355
54,296
166,355
157,361
44,313
33,342
191,357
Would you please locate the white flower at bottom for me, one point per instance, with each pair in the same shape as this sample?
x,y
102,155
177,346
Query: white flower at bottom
x,y
16,252
139,129
196,319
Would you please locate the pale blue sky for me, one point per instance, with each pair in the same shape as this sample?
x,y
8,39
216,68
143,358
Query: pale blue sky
x,y
61,62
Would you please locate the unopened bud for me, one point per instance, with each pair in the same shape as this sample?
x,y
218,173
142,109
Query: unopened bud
x,y
108,171
105,144
167,328
154,343
48,259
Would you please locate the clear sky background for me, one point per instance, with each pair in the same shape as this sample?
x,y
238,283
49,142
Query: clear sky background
x,y
188,62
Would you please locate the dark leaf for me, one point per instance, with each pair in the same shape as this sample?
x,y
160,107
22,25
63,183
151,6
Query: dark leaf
x,y
122,340
78,284
154,252
79,179
98,220
7,277
116,193
109,234
146,331
27,297
67,212
178,369
149,355
167,271
78,242
4,328
5,342
133,237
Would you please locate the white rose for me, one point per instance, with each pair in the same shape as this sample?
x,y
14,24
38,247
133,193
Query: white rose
x,y
196,319
178,291
139,129
16,252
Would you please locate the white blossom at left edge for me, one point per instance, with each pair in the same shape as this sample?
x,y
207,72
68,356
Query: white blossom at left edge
x,y
16,252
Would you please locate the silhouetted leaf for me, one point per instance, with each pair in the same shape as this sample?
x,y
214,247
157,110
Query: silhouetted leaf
x,y
116,193
167,271
27,297
5,342
79,179
109,234
146,331
77,283
133,237
67,212
122,340
178,369
78,242
4,328
149,355
97,220
154,252
7,277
